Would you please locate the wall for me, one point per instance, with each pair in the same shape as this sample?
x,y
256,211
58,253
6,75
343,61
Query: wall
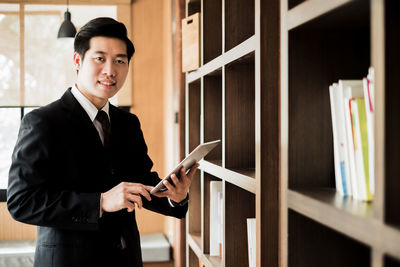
x,y
153,92
12,230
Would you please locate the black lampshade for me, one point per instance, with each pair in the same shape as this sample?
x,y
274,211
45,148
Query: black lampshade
x,y
67,29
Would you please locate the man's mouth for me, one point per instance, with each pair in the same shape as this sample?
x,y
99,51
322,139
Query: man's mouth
x,y
107,83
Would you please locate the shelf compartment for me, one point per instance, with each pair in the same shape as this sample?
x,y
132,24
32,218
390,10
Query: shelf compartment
x,y
212,30
312,244
240,51
346,13
207,260
240,114
207,207
351,217
195,205
213,113
194,98
239,22
239,205
193,6
328,207
193,258
332,54
244,179
392,120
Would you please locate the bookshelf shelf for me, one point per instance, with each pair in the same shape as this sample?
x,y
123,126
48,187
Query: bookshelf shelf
x,y
195,241
241,51
244,178
325,206
329,198
309,10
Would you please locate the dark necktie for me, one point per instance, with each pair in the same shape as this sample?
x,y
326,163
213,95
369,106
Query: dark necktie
x,y
102,117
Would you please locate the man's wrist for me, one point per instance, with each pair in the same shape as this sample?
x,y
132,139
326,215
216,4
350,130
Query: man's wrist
x,y
182,203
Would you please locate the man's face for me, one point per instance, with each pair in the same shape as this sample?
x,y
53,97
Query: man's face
x,y
103,70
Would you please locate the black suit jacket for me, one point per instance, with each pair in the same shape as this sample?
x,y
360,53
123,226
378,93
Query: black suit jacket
x,y
59,168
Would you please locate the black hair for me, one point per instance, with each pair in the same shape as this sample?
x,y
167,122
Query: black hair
x,y
106,27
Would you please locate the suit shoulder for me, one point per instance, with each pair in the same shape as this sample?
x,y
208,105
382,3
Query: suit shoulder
x,y
47,113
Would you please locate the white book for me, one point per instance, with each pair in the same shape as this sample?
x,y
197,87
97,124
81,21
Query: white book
x,y
251,241
338,151
350,89
220,222
215,188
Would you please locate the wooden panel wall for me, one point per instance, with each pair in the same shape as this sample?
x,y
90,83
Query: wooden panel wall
x,y
12,230
149,87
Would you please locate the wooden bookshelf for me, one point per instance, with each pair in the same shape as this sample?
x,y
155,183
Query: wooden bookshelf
x,y
322,42
234,97
262,88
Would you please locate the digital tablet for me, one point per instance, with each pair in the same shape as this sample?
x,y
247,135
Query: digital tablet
x,y
195,156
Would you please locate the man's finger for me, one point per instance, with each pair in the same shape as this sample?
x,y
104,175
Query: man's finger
x,y
135,199
130,206
139,189
168,186
193,170
175,179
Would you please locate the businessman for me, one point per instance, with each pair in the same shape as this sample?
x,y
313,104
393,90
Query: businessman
x,y
80,166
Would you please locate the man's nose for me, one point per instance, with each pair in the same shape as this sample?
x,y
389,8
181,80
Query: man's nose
x,y
109,68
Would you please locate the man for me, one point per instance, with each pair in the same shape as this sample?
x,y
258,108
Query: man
x,y
80,164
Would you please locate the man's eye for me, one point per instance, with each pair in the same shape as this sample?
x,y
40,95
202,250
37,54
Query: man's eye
x,y
120,61
99,59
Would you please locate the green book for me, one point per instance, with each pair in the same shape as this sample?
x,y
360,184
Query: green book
x,y
362,136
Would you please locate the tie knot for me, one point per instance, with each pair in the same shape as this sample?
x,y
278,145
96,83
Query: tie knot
x,y
102,117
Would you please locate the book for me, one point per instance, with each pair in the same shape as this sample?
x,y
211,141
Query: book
x,y
361,147
251,241
369,91
220,222
215,189
350,89
338,144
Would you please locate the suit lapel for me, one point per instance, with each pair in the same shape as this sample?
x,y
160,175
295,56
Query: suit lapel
x,y
80,120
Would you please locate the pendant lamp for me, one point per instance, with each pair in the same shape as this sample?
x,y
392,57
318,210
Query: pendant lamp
x,y
67,29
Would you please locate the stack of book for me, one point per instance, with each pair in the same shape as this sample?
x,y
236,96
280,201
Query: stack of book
x,y
352,110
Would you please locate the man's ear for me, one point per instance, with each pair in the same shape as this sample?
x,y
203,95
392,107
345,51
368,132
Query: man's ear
x,y
77,60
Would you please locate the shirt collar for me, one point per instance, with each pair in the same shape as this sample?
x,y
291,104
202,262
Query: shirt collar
x,y
88,106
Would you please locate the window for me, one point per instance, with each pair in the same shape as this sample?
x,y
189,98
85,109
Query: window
x,y
35,67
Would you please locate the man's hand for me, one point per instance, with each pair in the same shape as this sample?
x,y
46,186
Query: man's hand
x,y
180,187
124,196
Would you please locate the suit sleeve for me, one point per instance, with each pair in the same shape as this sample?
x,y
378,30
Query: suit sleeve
x,y
159,205
31,195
